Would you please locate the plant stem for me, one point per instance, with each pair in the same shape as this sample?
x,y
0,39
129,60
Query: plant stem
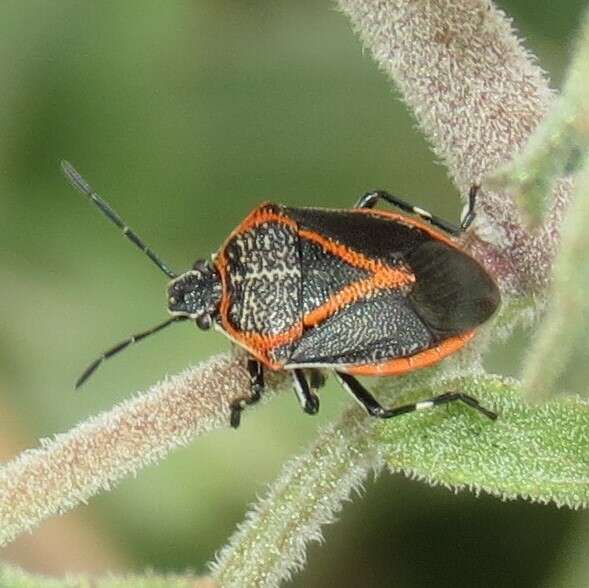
x,y
72,467
271,542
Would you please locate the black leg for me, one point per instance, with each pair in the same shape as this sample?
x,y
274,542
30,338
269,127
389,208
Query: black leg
x,y
308,399
316,378
370,199
470,214
373,408
256,372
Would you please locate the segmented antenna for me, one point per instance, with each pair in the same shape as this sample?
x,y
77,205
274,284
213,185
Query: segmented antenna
x,y
82,185
123,345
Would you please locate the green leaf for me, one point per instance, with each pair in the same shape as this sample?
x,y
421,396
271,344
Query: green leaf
x,y
536,452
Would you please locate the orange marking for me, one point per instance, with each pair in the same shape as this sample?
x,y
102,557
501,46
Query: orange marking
x,y
402,365
411,221
349,255
384,276
257,344
261,214
353,293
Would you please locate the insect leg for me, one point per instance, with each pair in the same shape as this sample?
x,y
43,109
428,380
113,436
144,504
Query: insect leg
x,y
256,373
370,199
308,399
360,394
469,213
316,378
373,407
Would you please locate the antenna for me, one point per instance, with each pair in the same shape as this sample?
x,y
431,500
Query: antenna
x,y
82,185
123,345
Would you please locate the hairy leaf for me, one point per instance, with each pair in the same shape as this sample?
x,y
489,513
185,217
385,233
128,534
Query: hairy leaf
x,y
538,452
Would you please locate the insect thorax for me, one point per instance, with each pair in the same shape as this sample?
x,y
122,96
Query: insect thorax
x,y
264,278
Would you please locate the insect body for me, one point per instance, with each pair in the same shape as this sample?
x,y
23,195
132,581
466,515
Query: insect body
x,y
358,291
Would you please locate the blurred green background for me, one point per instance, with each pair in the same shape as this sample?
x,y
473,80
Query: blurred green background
x,y
185,115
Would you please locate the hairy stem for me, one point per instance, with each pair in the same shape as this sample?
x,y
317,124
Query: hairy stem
x,y
561,342
11,577
69,469
271,543
558,146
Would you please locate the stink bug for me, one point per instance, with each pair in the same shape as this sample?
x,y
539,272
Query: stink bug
x,y
357,291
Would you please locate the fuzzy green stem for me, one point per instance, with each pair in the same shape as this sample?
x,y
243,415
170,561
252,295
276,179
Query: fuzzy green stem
x,y
270,544
562,341
11,577
559,144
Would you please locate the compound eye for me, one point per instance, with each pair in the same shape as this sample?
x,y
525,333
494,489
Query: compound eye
x,y
201,265
204,321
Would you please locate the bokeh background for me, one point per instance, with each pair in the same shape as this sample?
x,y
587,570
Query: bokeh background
x,y
185,115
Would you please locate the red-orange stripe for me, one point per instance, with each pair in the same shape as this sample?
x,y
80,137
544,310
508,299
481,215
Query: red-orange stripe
x,y
350,294
411,221
384,276
403,365
258,344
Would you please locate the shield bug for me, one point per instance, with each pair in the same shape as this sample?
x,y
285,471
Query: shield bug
x,y
361,291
